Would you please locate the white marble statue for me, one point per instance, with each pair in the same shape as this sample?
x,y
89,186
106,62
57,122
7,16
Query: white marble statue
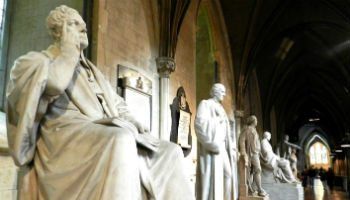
x,y
76,134
285,148
280,166
215,148
293,159
249,147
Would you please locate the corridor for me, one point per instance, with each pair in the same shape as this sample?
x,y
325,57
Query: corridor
x,y
318,192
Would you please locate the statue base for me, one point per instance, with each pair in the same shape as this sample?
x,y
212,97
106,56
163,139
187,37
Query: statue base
x,y
277,190
254,198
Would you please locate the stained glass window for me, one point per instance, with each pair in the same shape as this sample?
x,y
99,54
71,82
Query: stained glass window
x,y
2,14
318,154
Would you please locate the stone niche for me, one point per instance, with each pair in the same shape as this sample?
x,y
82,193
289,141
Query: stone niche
x,y
8,169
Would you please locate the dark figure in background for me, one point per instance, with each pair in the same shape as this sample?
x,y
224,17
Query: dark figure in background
x,y
304,176
323,177
330,178
312,175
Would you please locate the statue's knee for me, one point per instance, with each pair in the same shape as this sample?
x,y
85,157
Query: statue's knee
x,y
171,148
127,137
121,134
257,170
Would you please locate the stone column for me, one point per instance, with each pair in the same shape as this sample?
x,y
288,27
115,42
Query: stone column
x,y
242,172
8,169
239,118
165,66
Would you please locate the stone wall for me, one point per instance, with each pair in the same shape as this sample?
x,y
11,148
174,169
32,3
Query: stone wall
x,y
125,33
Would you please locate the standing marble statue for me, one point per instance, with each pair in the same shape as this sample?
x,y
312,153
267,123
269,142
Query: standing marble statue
x,y
280,166
249,146
293,159
76,134
215,148
285,150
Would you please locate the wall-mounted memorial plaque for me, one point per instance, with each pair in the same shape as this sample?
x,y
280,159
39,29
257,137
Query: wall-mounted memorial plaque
x,y
183,129
181,122
137,92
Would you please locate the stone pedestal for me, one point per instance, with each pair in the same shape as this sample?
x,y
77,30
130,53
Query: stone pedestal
x,y
285,191
277,190
8,169
253,198
243,187
8,178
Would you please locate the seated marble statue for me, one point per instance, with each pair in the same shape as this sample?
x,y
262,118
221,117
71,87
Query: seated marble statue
x,y
280,166
216,151
76,134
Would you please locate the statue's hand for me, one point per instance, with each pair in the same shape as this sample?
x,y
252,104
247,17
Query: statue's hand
x,y
70,40
140,127
245,158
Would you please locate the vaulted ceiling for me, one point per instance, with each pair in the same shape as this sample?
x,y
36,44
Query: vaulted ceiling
x,y
300,51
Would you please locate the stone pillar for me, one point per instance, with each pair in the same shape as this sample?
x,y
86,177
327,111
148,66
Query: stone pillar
x,y
243,187
165,66
242,172
8,169
239,115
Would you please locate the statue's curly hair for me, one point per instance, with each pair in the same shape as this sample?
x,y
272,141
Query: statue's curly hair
x,y
216,88
54,21
251,120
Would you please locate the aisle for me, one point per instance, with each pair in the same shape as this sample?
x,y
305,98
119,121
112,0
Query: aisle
x,y
319,193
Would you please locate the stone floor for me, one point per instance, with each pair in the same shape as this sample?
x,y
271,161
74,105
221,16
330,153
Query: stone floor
x,y
319,192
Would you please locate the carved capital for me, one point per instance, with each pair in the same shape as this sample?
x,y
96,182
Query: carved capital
x,y
239,113
165,66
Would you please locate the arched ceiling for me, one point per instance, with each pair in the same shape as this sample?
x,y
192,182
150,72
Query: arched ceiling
x,y
301,52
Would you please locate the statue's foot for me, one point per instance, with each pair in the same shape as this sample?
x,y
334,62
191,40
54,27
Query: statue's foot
x,y
262,193
253,193
295,181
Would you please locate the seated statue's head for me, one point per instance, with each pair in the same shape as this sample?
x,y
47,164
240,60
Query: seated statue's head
x,y
218,92
252,121
75,25
267,135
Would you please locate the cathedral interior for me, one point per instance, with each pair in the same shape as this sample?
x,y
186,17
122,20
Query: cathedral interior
x,y
285,61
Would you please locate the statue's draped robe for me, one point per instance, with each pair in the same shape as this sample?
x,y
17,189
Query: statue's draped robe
x,y
281,168
81,144
213,131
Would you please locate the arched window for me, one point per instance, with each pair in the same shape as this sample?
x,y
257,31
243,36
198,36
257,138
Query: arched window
x,y
318,154
2,17
2,12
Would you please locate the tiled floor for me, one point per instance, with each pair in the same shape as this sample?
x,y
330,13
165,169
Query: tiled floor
x,y
318,192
